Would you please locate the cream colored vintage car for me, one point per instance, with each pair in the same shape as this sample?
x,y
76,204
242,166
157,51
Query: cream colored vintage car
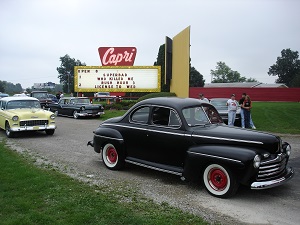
x,y
19,114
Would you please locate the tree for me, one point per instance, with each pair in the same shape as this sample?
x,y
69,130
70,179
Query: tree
x,y
66,72
287,68
224,74
2,86
196,78
160,61
10,88
251,80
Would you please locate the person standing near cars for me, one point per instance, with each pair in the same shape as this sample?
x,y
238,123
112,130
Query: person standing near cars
x,y
201,97
232,108
242,113
247,105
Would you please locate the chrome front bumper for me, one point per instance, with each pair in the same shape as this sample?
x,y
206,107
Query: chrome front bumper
x,y
31,128
273,183
90,114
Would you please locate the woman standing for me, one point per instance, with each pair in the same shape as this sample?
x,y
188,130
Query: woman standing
x,y
247,105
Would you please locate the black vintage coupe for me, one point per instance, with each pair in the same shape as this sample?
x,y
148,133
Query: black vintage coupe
x,y
188,138
76,107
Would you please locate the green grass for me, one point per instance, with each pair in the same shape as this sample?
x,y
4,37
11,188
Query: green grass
x,y
32,195
277,117
112,113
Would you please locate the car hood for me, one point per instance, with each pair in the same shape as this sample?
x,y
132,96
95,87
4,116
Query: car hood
x,y
33,113
223,134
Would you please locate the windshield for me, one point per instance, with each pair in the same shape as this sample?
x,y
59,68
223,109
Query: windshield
x,y
196,116
20,104
80,101
219,104
40,95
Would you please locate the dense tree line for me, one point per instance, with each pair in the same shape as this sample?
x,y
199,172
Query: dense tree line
x,y
10,88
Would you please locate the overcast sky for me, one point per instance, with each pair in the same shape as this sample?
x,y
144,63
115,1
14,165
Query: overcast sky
x,y
248,35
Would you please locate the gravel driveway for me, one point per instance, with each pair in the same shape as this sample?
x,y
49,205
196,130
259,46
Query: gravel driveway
x,y
67,150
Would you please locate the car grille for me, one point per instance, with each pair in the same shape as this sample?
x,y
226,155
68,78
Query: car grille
x,y
30,123
272,168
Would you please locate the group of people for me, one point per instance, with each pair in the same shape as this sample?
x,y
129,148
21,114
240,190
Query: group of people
x,y
246,105
59,95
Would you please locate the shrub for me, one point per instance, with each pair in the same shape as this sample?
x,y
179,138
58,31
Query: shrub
x,y
158,94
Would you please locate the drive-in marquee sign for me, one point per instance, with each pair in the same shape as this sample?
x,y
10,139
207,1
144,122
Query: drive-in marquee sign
x,y
117,78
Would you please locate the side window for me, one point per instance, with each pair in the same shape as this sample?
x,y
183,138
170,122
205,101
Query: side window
x,y
141,115
165,117
174,121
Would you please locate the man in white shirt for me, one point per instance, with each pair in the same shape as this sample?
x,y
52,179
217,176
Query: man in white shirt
x,y
201,96
232,108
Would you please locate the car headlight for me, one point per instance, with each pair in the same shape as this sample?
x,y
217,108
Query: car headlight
x,y
15,118
256,161
52,117
288,150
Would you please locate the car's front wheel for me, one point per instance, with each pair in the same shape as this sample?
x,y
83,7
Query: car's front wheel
x,y
8,131
112,158
219,181
75,114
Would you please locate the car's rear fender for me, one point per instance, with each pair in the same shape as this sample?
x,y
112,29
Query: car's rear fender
x,y
235,158
105,135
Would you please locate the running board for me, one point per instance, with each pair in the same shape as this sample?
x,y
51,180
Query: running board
x,y
155,166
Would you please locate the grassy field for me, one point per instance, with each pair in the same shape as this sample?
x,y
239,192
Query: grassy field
x,y
276,117
31,195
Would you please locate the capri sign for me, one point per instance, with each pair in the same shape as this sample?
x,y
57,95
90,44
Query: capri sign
x,y
117,78
117,56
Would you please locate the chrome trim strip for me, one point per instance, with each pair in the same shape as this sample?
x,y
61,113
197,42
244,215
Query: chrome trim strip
x,y
273,183
213,156
145,129
166,132
152,167
229,139
118,139
278,158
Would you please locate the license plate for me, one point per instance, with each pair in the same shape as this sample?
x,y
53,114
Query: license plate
x,y
36,127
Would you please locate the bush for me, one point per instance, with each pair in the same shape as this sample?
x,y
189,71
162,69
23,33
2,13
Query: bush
x,y
123,105
158,94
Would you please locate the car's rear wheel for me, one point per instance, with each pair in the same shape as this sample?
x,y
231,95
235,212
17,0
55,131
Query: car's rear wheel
x,y
75,114
8,131
50,132
112,158
219,181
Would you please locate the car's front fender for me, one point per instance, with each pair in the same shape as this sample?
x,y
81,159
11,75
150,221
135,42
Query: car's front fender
x,y
237,159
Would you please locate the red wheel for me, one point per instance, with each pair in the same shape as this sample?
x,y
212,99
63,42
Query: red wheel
x,y
111,157
218,181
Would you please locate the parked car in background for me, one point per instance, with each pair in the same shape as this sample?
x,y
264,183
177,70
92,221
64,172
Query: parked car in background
x,y
2,95
53,97
19,114
100,96
43,97
187,137
76,107
220,105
